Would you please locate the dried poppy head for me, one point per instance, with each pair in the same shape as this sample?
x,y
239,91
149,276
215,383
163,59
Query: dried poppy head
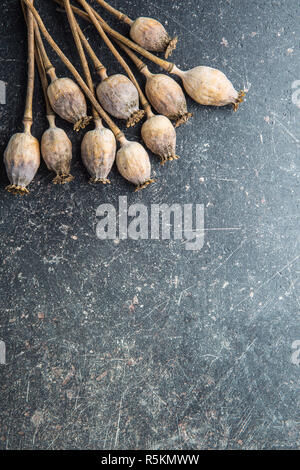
x,y
98,152
22,160
152,36
159,135
68,101
210,87
134,165
119,97
166,96
56,150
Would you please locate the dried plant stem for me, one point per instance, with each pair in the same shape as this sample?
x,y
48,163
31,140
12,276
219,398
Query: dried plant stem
x,y
41,68
99,67
84,63
139,114
168,66
49,67
27,118
117,13
44,82
117,132
135,59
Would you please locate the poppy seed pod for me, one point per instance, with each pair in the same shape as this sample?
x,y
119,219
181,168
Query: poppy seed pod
x,y
68,101
152,36
56,149
210,87
134,165
22,160
98,152
119,97
159,135
167,97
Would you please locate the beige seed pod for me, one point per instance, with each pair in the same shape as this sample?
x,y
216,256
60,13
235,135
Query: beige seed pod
x,y
119,97
68,101
134,165
22,160
159,135
117,94
98,147
152,36
147,32
192,89
22,154
56,150
98,152
218,94
210,87
166,96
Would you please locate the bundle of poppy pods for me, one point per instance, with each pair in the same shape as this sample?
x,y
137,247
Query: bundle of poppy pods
x,y
118,96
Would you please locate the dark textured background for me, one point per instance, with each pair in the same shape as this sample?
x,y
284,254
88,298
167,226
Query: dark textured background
x,y
141,344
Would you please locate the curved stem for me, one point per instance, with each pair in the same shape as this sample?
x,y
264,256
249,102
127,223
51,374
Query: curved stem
x,y
117,13
168,66
27,118
117,132
84,62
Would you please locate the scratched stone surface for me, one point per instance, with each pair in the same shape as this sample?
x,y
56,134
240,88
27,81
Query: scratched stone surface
x,y
140,344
